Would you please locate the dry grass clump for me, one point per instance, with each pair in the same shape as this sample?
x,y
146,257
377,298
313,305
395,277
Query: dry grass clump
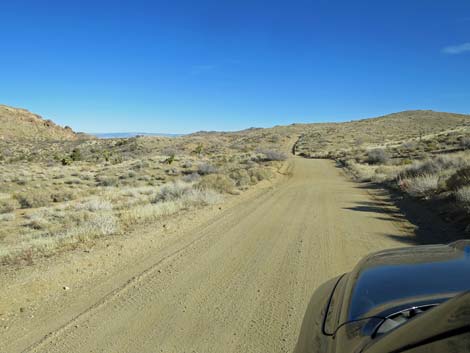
x,y
107,180
241,177
191,178
206,169
463,196
33,198
377,156
434,165
421,186
172,192
94,204
168,201
217,182
259,174
8,205
7,217
272,155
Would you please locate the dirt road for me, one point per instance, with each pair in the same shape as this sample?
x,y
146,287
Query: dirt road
x,y
242,282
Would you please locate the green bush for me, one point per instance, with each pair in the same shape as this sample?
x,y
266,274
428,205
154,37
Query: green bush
x,y
76,155
66,161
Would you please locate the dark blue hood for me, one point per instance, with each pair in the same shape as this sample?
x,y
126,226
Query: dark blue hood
x,y
419,275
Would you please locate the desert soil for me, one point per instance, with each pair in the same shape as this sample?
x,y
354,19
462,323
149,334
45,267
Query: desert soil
x,y
238,282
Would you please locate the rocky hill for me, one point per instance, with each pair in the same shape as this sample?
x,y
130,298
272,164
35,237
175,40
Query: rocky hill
x,y
20,124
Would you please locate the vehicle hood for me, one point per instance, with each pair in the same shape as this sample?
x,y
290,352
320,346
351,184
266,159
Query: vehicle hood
x,y
387,280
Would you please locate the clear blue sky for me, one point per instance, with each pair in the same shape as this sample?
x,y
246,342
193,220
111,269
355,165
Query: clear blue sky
x,y
181,66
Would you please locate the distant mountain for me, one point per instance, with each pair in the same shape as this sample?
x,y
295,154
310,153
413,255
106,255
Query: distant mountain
x,y
111,135
20,124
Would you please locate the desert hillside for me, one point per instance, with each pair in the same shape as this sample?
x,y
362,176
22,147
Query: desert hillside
x,y
334,139
20,124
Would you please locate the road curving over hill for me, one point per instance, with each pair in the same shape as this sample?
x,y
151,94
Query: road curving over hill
x,y
243,281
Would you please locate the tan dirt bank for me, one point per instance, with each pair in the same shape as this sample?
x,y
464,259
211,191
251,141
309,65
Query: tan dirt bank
x,y
239,283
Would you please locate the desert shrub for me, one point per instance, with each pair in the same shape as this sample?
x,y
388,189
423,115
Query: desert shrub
x,y
173,172
377,156
463,196
171,192
218,182
38,223
76,155
241,177
201,197
169,160
198,150
206,169
421,186
275,139
62,196
406,161
8,205
72,181
259,174
66,161
433,166
21,181
103,180
151,212
459,179
94,204
33,199
271,155
409,145
186,164
191,178
7,217
465,142
170,151
96,225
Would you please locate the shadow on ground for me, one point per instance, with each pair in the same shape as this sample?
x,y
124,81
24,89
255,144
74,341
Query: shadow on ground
x,y
429,225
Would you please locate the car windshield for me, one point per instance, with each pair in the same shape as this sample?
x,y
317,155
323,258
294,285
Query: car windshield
x,y
381,287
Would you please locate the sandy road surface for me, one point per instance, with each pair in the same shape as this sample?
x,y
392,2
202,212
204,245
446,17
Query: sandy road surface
x,y
243,282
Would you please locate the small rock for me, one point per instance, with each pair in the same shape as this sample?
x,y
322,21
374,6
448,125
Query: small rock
x,y
65,288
